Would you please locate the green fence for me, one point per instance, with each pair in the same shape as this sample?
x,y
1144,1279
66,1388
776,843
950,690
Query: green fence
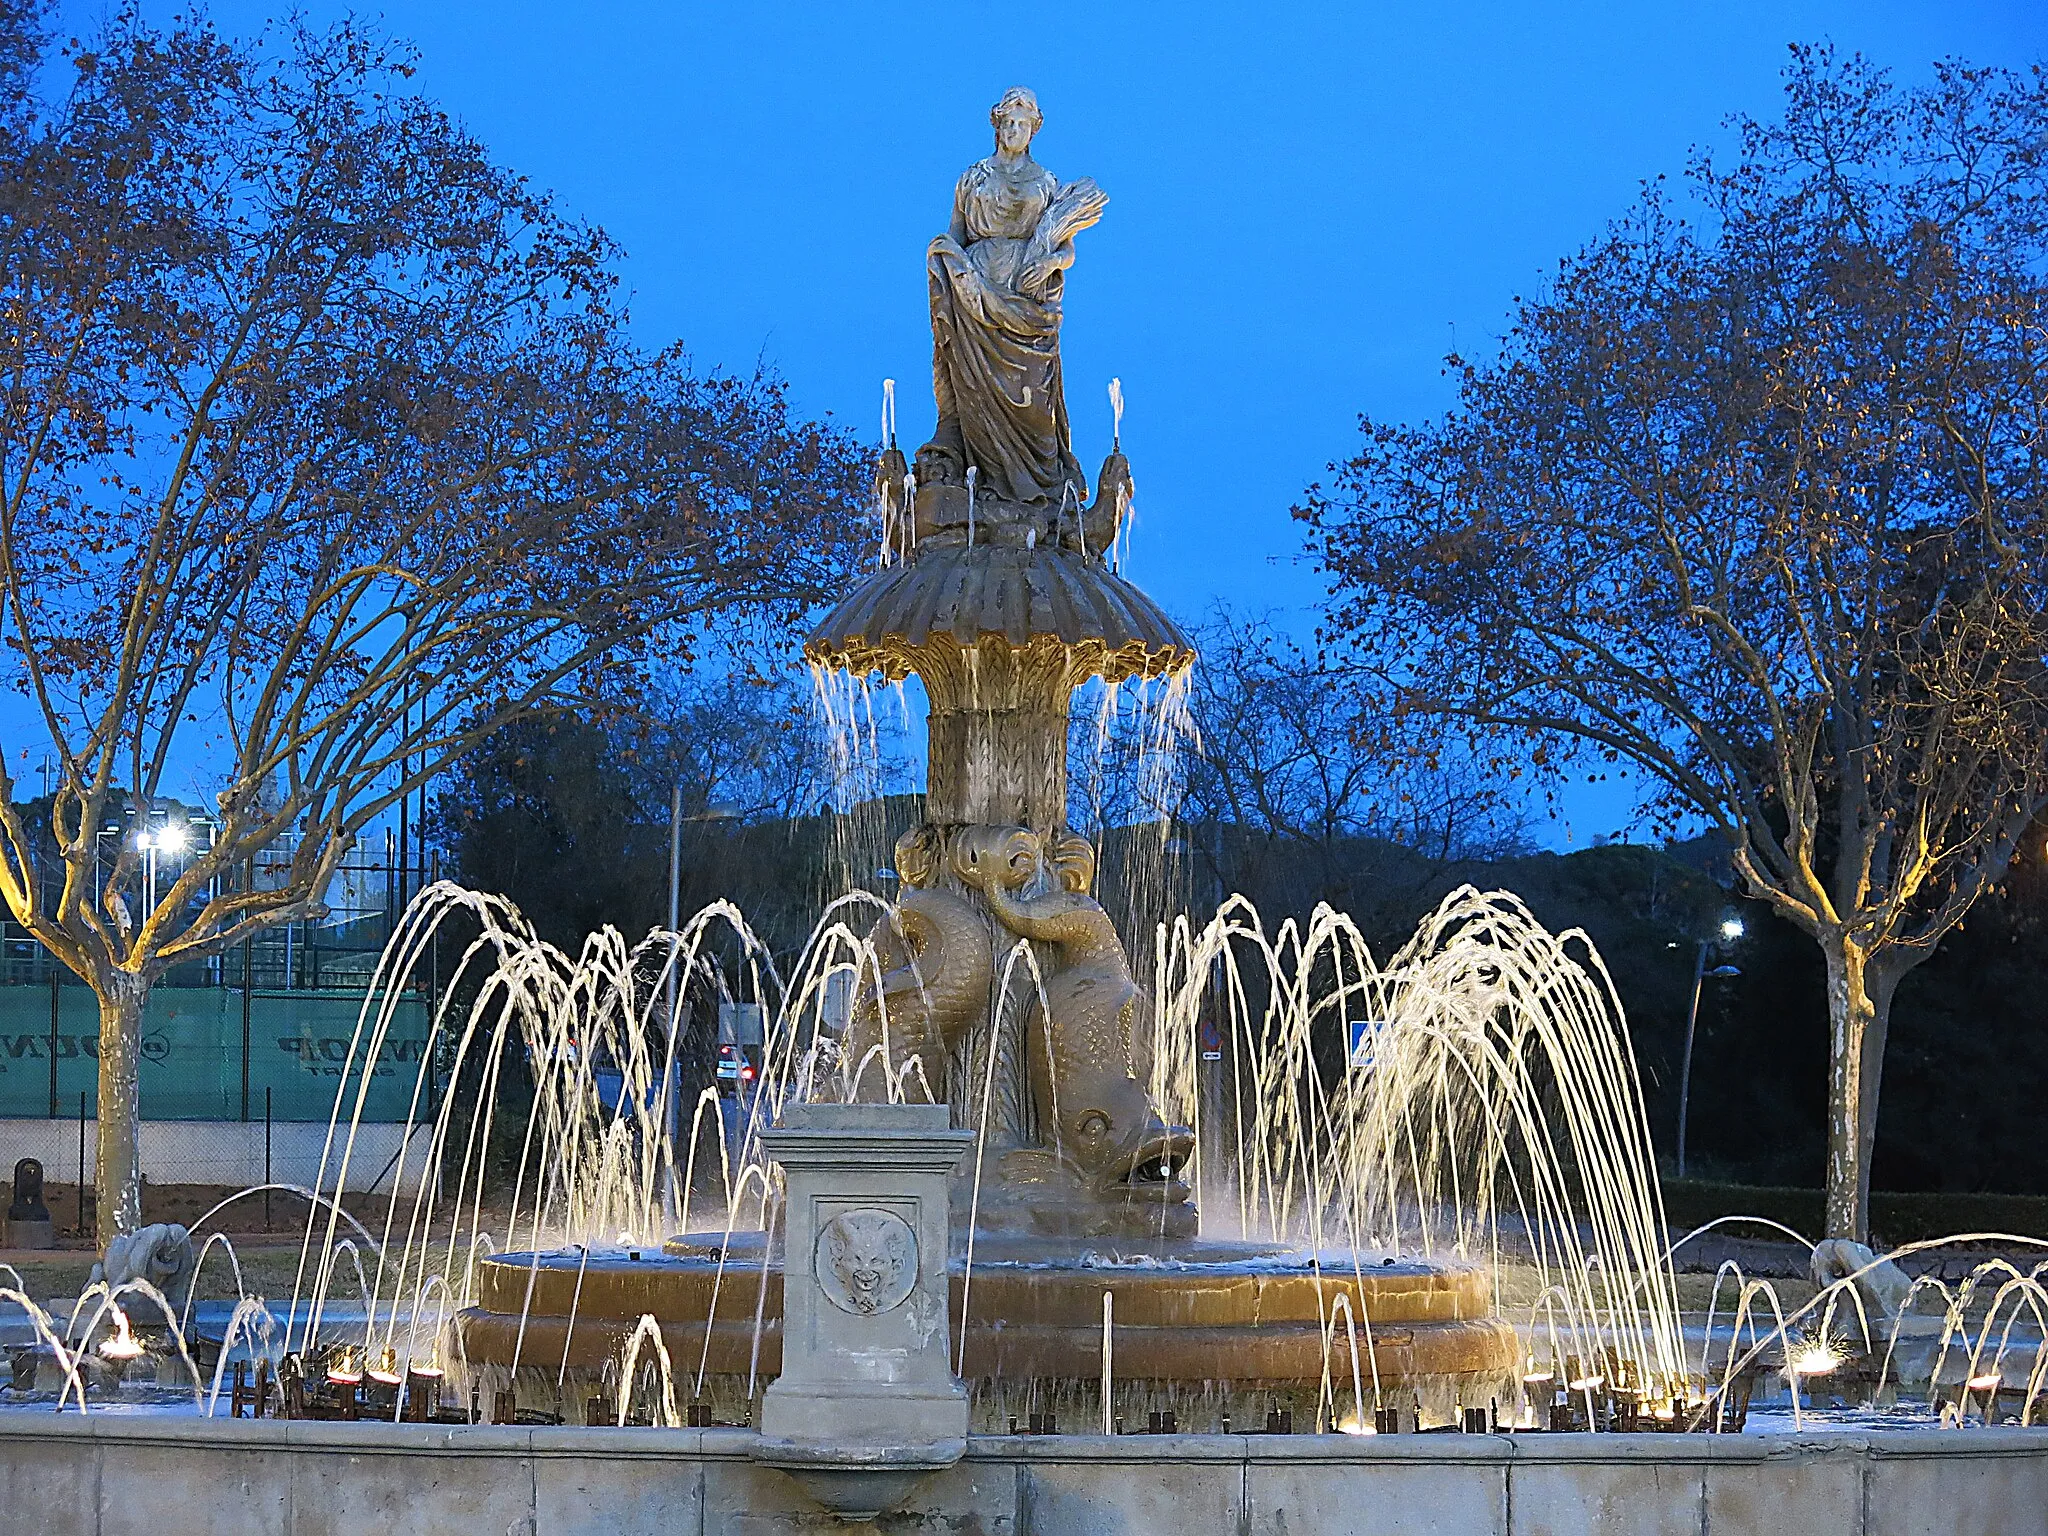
x,y
194,1062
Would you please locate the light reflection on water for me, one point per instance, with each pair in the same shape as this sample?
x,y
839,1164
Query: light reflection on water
x,y
1776,1419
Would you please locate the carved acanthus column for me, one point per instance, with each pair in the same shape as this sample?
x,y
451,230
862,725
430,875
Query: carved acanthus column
x,y
998,732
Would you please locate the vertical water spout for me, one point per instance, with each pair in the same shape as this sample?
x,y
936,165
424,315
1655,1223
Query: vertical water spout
x,y
1116,415
886,492
885,498
972,475
1108,1324
909,515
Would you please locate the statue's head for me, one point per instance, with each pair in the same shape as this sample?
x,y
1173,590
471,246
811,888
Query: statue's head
x,y
1016,118
1072,858
918,853
1005,857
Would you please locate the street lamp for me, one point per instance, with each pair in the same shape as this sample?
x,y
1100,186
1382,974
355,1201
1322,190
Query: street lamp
x,y
1731,930
166,839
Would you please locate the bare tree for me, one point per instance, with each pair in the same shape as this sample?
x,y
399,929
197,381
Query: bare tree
x,y
1269,744
1755,503
744,742
324,453
1289,742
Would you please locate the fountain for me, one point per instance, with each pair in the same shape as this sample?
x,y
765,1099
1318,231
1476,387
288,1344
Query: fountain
x,y
961,1197
999,984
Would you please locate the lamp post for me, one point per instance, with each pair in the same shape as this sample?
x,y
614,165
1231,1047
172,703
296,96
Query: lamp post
x,y
1731,930
671,1077
671,1096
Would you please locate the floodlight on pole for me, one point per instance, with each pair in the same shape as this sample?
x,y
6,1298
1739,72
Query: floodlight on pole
x,y
1731,930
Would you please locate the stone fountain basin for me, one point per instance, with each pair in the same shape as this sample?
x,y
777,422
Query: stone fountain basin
x,y
1197,1311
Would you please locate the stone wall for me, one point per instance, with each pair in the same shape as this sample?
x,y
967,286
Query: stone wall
x,y
104,1475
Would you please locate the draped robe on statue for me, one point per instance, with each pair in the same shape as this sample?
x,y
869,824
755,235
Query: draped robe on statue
x,y
996,281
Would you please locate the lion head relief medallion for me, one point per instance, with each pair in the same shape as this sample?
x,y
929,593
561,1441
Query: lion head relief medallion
x,y
866,1261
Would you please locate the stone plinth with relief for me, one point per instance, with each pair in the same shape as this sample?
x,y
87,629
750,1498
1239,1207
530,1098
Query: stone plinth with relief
x,y
867,1400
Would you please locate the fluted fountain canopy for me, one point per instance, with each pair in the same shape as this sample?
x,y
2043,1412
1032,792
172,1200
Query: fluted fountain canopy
x,y
958,596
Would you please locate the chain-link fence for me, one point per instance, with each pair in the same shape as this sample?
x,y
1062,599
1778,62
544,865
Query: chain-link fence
x,y
194,1169
224,1154
243,1054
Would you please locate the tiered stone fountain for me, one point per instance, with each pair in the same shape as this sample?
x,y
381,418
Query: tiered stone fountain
x,y
1070,1230
995,587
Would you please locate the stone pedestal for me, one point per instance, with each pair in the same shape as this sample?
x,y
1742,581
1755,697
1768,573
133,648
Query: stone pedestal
x,y
866,1350
31,1234
867,1403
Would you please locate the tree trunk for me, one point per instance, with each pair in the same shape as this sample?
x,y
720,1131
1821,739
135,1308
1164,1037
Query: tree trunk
x,y
1859,1017
1880,981
119,1182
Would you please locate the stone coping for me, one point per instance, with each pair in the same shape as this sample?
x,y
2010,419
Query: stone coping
x,y
107,1475
518,1441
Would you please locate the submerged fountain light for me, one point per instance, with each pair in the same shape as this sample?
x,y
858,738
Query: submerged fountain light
x,y
1815,1357
1992,1385
123,1345
345,1372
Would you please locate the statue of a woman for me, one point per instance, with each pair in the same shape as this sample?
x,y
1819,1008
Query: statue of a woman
x,y
996,277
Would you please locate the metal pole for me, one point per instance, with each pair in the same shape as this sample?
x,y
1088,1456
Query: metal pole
x,y
56,1004
266,1158
248,984
433,1004
1699,971
404,802
671,1084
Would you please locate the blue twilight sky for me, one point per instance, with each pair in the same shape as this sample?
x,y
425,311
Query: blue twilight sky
x,y
1308,203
